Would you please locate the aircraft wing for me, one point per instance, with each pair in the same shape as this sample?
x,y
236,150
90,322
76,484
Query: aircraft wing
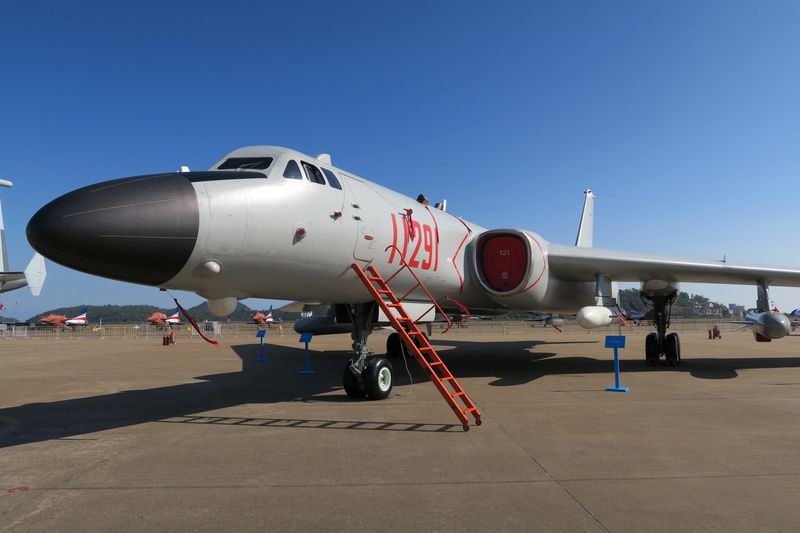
x,y
11,276
296,307
572,263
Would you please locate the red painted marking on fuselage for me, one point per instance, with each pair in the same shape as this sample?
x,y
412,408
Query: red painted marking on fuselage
x,y
405,238
394,238
436,235
460,279
544,264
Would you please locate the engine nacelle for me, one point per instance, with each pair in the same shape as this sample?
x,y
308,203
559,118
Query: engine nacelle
x,y
511,267
594,316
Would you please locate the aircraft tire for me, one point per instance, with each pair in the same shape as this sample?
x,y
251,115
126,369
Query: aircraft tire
x,y
353,387
394,346
378,378
652,349
672,349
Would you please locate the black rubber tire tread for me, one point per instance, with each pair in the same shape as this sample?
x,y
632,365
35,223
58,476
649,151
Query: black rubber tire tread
x,y
352,387
672,349
652,349
374,367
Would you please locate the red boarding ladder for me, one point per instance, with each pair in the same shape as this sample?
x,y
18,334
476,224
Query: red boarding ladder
x,y
417,343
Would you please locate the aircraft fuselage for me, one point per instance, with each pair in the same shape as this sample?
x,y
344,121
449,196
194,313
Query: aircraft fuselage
x,y
255,233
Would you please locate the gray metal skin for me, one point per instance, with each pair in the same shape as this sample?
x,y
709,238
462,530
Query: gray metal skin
x,y
296,240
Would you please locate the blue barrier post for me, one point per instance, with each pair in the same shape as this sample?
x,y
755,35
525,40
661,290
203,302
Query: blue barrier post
x,y
306,338
616,342
260,335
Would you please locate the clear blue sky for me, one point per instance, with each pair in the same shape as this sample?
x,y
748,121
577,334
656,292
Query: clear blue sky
x,y
682,116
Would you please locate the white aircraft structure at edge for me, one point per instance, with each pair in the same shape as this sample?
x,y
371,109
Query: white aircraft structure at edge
x,y
270,222
34,274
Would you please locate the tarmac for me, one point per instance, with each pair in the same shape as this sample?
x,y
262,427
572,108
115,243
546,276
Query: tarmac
x,y
128,435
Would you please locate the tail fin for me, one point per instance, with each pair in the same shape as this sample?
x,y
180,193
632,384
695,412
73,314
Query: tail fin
x,y
586,227
35,274
3,252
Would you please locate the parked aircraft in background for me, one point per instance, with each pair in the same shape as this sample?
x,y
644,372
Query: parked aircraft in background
x,y
161,319
553,321
306,223
262,319
637,316
61,321
34,274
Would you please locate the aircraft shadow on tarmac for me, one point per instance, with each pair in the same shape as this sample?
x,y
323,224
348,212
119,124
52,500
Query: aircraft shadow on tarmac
x,y
511,363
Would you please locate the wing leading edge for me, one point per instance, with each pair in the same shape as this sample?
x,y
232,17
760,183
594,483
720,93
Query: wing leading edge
x,y
571,263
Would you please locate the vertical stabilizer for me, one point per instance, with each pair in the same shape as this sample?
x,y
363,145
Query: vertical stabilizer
x,y
586,227
3,252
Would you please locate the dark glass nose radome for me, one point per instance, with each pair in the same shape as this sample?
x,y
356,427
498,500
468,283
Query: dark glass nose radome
x,y
141,229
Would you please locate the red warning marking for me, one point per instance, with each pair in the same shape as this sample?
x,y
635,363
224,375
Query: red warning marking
x,y
18,489
368,237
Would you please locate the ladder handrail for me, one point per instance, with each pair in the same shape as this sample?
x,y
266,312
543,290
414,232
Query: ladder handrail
x,y
421,285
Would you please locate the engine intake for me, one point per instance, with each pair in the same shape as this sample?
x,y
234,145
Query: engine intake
x,y
511,267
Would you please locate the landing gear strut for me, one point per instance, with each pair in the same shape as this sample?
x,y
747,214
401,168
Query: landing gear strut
x,y
660,343
366,376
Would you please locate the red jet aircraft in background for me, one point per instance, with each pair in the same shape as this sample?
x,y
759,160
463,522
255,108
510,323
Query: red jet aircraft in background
x,y
159,318
61,321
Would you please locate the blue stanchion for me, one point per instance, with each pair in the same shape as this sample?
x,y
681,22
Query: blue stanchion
x,y
306,338
616,342
261,333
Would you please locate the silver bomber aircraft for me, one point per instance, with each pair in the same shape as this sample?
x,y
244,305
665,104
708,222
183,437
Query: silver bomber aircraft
x,y
269,222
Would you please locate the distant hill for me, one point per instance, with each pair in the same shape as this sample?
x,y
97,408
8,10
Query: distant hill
x,y
7,320
137,314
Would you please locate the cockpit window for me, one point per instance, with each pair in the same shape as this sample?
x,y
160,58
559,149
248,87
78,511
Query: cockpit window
x,y
333,181
255,163
292,171
313,173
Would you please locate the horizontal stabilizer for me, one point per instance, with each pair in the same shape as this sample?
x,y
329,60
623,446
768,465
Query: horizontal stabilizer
x,y
11,276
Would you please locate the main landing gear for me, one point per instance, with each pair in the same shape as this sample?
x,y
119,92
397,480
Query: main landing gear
x,y
365,375
660,343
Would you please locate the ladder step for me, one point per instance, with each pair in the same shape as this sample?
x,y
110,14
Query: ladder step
x,y
462,393
471,409
373,278
436,363
429,348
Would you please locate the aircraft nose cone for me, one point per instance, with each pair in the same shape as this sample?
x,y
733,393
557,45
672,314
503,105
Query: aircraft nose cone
x,y
141,229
